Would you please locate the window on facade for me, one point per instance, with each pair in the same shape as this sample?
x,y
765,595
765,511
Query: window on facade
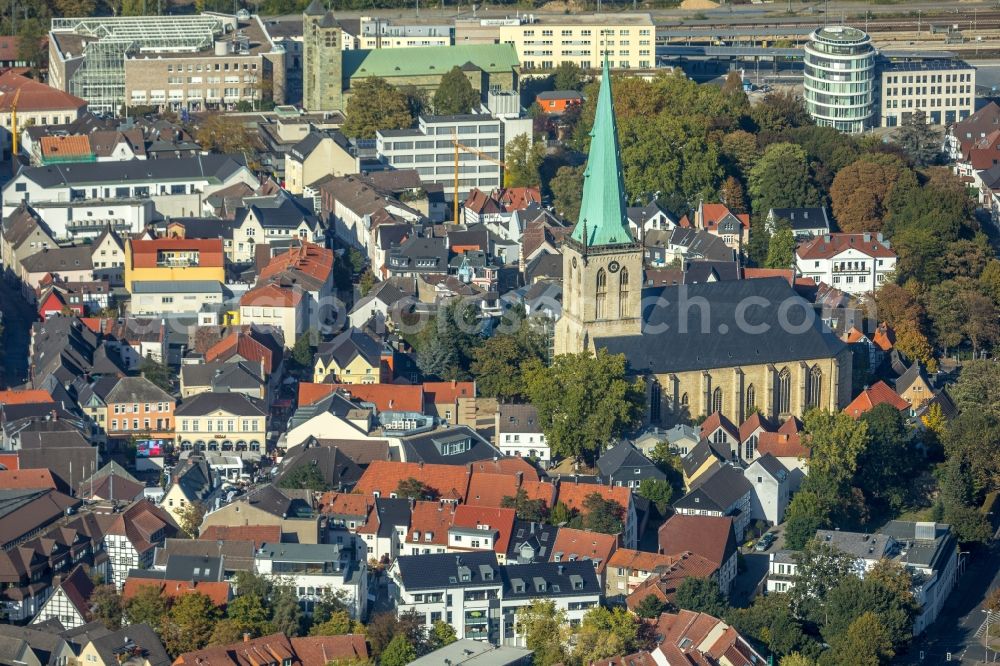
x,y
717,400
784,392
623,302
602,292
751,403
814,387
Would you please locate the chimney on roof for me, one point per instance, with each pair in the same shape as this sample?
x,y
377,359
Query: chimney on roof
x,y
867,237
246,636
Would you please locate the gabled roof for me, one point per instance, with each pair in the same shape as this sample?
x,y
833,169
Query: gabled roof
x,y
712,537
256,344
35,96
878,393
78,587
702,452
908,378
137,390
425,60
573,494
782,445
349,345
271,295
716,490
753,423
715,421
488,489
383,477
385,397
255,534
481,517
663,583
623,454
218,592
238,404
572,545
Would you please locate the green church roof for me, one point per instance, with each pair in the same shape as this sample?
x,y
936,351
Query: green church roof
x,y
427,60
602,210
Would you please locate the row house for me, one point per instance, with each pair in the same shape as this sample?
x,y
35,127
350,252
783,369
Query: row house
x,y
132,537
29,571
81,202
222,422
138,409
356,208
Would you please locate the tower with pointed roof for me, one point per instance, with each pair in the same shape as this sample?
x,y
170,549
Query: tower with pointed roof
x,y
322,60
602,262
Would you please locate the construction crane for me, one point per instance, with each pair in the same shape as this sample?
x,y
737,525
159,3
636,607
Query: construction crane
x,y
13,130
478,153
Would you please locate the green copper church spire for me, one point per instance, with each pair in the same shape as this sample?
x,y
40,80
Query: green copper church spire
x,y
602,210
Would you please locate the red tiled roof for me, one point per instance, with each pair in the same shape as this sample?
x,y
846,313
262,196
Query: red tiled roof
x,y
782,445
487,489
433,518
830,245
310,392
573,494
507,465
878,393
386,397
715,421
72,145
9,461
791,426
854,335
440,393
759,273
257,534
218,592
273,296
383,477
322,650
884,338
713,213
348,504
640,560
502,520
35,96
27,479
243,342
78,587
543,490
25,397
712,537
252,652
144,252
663,584
308,258
749,426
573,544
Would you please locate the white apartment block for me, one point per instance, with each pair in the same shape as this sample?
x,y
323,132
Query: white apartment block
x,y
944,89
430,149
545,42
382,33
480,598
853,263
314,569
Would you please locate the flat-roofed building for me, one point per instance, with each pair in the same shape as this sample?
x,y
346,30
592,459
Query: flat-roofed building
x,y
545,42
203,61
944,89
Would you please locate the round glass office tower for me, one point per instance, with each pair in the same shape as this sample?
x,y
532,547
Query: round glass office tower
x,y
840,78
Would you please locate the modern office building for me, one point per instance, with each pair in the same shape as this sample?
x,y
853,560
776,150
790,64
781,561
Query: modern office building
x,y
839,78
430,149
544,42
945,89
204,61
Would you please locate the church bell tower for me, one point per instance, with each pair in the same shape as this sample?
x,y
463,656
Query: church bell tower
x,y
602,262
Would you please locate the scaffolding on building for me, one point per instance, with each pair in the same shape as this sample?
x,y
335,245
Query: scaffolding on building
x,y
109,41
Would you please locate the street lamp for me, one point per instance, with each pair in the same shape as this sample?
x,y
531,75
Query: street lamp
x,y
986,643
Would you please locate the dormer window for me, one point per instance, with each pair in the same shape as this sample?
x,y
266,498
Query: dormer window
x,y
416,536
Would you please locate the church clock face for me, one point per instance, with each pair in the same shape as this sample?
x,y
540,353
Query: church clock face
x,y
574,262
614,266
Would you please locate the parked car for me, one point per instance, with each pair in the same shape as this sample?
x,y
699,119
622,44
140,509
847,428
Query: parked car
x,y
765,542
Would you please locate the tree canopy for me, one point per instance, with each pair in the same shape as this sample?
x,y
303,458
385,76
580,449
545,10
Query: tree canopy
x,y
375,105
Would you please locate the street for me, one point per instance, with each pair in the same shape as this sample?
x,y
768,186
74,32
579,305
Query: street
x,y
17,318
956,629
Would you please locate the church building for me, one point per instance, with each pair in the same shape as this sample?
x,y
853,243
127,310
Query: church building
x,y
733,347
